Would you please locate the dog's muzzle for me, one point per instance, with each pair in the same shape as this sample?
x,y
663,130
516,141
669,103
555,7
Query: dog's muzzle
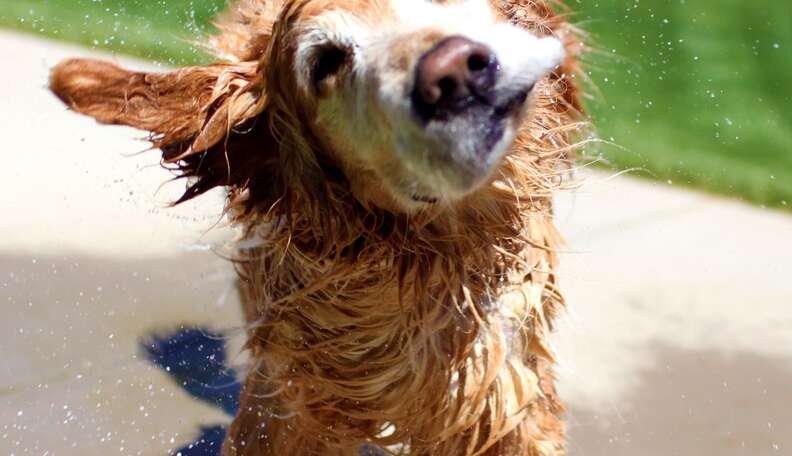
x,y
453,75
457,101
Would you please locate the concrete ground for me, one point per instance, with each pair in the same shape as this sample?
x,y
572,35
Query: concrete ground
x,y
678,339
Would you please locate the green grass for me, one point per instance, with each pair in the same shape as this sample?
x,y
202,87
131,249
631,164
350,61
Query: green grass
x,y
696,92
161,30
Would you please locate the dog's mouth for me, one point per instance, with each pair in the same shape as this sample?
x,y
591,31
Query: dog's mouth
x,y
466,112
468,142
500,105
465,109
513,103
472,135
496,118
424,199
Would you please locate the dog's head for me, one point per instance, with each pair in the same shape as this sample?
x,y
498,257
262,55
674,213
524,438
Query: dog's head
x,y
409,103
427,96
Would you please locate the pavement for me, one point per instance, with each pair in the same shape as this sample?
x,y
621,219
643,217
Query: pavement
x,y
678,338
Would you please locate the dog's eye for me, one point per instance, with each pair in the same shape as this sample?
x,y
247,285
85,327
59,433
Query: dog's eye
x,y
328,62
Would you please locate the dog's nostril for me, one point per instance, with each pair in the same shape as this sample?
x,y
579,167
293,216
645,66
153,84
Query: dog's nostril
x,y
447,87
478,62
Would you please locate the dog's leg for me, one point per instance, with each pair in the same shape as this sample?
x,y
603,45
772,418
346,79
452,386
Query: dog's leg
x,y
522,420
260,429
542,432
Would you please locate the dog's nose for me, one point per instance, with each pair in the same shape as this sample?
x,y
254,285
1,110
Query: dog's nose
x,y
451,74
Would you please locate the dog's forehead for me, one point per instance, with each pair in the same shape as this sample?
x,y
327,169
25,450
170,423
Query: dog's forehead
x,y
338,17
317,11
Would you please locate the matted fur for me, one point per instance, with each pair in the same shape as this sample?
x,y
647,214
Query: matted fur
x,y
420,333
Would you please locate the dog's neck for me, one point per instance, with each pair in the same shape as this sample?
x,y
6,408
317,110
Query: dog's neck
x,y
357,310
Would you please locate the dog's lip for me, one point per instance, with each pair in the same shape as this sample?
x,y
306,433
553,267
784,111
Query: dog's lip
x,y
512,103
492,118
424,198
498,116
501,106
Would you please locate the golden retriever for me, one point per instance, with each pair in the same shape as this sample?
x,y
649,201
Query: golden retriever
x,y
391,165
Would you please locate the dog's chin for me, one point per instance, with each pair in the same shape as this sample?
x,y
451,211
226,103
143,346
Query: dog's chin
x,y
468,149
452,180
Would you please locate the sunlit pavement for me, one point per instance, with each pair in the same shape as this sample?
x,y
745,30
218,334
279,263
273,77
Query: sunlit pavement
x,y
91,262
678,339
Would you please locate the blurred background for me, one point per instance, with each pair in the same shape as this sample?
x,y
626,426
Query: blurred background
x,y
679,335
695,92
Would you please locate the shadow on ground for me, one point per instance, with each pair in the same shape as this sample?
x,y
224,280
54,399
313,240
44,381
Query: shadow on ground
x,y
694,403
75,379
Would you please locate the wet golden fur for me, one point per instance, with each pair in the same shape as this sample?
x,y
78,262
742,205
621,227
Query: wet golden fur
x,y
420,332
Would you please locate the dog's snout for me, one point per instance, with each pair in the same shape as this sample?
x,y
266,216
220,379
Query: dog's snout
x,y
452,74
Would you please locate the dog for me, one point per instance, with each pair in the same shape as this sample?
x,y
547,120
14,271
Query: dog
x,y
390,165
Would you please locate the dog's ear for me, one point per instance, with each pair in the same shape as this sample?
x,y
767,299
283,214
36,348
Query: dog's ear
x,y
194,114
196,104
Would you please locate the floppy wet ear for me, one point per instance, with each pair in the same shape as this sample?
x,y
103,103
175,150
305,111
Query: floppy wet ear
x,y
204,119
198,105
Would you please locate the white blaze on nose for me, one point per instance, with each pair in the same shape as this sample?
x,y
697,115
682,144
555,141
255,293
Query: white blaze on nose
x,y
550,53
524,57
453,17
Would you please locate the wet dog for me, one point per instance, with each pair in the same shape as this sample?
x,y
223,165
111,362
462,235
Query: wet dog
x,y
390,165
